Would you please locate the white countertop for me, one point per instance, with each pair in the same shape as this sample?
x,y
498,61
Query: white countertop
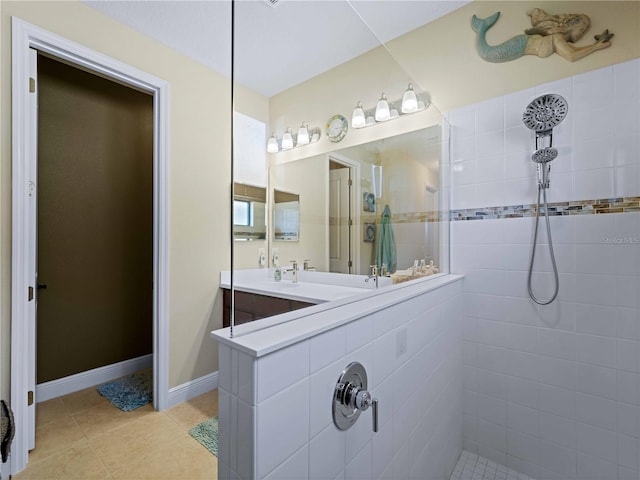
x,y
270,334
311,287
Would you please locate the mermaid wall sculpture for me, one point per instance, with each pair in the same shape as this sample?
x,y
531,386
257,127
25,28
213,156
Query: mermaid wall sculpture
x,y
549,34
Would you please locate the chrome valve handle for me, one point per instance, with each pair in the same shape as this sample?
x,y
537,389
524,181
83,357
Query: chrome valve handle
x,y
351,397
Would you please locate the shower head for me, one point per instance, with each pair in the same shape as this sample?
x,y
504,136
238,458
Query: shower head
x,y
545,112
544,155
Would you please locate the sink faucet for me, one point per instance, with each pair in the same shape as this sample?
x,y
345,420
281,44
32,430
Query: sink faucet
x,y
306,267
294,271
373,274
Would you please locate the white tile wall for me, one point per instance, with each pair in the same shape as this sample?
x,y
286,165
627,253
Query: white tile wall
x,y
282,427
554,391
598,143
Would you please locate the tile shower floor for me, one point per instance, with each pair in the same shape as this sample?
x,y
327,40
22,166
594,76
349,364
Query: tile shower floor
x,y
82,436
473,467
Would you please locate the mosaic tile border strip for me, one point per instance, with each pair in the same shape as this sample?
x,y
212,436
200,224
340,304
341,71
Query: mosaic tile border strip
x,y
409,217
579,207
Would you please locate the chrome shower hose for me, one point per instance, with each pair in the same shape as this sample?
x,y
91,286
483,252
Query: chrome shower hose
x,y
533,251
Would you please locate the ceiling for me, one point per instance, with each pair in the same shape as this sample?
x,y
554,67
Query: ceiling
x,y
276,47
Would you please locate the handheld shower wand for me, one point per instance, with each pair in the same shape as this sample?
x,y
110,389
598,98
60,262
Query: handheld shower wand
x,y
542,115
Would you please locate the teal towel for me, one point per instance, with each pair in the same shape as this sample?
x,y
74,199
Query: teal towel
x,y
385,243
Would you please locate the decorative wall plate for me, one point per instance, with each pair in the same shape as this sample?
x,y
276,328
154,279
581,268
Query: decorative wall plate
x,y
369,232
337,127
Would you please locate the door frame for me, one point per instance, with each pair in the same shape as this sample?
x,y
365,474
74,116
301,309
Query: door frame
x,y
356,230
26,36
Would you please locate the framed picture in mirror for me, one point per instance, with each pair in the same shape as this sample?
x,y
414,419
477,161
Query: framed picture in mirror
x,y
369,232
368,202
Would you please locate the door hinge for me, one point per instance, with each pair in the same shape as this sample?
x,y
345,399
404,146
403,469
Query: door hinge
x,y
32,85
350,264
30,293
350,222
30,398
350,182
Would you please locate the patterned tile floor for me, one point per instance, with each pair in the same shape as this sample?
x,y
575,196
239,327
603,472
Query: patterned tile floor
x,y
473,467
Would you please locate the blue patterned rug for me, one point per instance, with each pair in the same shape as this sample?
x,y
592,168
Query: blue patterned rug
x,y
129,393
207,434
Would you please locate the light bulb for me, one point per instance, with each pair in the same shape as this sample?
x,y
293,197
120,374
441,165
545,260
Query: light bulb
x,y
358,119
287,140
303,135
382,109
272,144
409,100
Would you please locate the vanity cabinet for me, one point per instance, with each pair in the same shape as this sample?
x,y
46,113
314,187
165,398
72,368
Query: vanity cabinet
x,y
253,306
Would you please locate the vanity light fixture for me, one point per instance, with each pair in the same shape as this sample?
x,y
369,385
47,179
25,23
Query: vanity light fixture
x,y
382,109
409,100
303,135
287,140
358,119
272,144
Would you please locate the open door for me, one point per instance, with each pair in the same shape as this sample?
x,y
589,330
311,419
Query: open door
x,y
32,248
26,38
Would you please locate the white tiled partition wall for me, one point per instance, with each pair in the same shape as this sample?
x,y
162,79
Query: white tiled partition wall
x,y
275,409
552,391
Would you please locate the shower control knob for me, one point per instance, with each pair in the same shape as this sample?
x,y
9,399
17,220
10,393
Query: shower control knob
x,y
363,400
351,398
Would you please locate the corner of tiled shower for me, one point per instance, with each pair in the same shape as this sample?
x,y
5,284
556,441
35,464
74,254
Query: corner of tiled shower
x,y
551,392
473,467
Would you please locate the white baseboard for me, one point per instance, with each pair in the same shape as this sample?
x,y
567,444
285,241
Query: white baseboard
x,y
80,381
193,388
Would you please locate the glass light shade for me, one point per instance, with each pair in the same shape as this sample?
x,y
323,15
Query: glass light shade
x,y
409,100
287,140
303,135
394,113
272,144
382,109
358,119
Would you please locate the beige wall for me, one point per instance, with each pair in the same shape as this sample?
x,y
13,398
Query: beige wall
x,y
310,179
198,189
441,60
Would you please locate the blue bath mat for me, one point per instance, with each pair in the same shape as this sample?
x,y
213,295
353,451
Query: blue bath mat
x,y
207,434
129,393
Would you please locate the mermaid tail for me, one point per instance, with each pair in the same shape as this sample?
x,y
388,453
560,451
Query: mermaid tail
x,y
506,51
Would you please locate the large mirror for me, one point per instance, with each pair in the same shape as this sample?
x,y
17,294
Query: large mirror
x,y
346,195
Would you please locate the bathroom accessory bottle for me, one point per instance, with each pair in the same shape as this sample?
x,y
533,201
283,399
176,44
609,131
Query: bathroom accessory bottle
x,y
277,274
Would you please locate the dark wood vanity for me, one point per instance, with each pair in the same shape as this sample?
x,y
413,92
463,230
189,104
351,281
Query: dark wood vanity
x,y
253,306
